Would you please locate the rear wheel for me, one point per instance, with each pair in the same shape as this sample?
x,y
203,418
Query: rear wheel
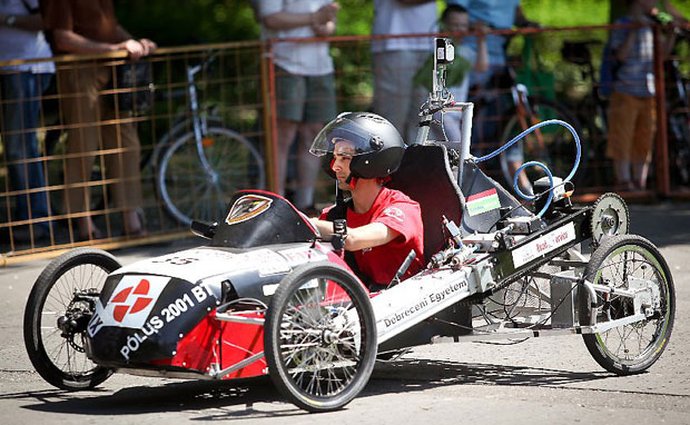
x,y
320,337
631,263
57,312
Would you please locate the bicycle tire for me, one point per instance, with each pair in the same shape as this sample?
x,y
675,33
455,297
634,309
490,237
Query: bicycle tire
x,y
620,261
58,355
320,337
188,192
560,149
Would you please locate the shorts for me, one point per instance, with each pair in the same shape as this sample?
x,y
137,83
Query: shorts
x,y
632,124
309,99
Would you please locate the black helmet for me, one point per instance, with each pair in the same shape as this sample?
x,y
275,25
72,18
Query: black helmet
x,y
377,144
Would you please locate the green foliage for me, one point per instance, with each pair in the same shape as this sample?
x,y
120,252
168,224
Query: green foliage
x,y
188,22
561,13
205,21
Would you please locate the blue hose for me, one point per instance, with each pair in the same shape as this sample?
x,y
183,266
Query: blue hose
x,y
520,136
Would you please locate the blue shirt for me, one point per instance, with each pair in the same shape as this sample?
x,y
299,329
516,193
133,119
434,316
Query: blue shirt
x,y
497,14
635,75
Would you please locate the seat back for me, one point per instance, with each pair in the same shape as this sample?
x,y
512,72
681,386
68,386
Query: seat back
x,y
425,176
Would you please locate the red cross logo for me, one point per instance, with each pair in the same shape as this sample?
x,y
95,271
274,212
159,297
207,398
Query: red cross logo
x,y
140,300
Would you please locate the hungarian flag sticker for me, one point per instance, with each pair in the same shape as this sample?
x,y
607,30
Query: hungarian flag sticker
x,y
482,202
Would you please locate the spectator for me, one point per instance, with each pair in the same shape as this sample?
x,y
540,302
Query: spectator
x,y
397,60
305,85
499,15
82,27
455,19
21,87
632,107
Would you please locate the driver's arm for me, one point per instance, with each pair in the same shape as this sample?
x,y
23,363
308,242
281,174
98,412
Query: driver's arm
x,y
358,238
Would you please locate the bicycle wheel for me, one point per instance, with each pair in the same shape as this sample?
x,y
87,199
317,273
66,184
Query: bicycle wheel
x,y
320,337
57,312
556,149
191,192
628,262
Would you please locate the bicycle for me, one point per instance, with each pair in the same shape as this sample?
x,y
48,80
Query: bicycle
x,y
201,162
553,146
678,112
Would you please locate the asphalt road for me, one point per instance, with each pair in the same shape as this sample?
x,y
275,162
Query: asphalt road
x,y
542,381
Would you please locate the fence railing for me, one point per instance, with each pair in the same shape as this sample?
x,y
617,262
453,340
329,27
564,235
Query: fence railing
x,y
172,136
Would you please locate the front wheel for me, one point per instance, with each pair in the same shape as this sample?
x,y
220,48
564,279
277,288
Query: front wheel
x,y
552,145
320,337
633,263
57,312
190,191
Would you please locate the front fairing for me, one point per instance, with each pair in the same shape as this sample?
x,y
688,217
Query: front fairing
x,y
148,308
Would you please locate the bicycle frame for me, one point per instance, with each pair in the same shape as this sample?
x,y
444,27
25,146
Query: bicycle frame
x,y
198,122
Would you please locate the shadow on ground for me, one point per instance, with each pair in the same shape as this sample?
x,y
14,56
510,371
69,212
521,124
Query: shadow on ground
x,y
238,401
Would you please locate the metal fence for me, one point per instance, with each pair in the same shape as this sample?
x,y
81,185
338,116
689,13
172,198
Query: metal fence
x,y
205,121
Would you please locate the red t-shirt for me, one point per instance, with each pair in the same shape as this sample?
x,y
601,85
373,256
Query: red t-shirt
x,y
398,212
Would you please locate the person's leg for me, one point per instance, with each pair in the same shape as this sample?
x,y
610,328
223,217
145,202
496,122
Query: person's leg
x,y
291,91
38,200
78,88
643,141
308,166
20,94
319,108
393,86
122,166
417,98
621,118
287,131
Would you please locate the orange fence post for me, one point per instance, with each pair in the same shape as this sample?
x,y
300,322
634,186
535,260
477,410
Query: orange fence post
x,y
268,85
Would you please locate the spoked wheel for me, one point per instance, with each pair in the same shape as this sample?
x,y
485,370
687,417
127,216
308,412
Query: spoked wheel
x,y
320,337
57,313
628,262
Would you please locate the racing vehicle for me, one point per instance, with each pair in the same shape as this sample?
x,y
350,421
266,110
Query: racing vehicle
x,y
267,295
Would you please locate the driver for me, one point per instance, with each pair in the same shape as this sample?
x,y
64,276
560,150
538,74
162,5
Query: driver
x,y
383,225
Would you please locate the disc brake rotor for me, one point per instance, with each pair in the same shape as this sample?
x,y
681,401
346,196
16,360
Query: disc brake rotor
x,y
610,217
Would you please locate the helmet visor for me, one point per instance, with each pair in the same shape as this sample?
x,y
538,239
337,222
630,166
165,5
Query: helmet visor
x,y
344,136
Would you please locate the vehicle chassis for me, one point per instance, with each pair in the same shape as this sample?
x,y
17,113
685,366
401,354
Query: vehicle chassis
x,y
625,283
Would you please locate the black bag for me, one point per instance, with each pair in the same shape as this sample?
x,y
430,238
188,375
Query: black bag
x,y
134,88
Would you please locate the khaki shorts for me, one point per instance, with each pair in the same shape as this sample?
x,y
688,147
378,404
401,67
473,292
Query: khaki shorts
x,y
308,99
632,124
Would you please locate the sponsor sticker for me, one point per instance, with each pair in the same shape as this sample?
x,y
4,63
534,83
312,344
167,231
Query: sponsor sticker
x,y
130,304
543,245
482,202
